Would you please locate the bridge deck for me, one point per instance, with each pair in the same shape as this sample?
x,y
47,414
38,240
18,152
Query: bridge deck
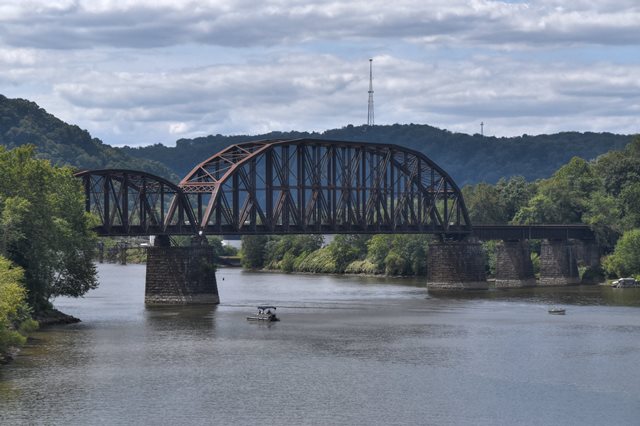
x,y
482,232
533,232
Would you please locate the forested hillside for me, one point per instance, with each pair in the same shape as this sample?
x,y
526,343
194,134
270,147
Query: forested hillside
x,y
469,159
23,122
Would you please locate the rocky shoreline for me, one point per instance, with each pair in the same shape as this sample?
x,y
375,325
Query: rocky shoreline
x,y
10,355
54,317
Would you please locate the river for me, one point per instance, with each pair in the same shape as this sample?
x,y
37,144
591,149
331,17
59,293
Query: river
x,y
348,351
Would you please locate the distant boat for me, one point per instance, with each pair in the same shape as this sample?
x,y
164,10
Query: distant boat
x,y
265,313
556,311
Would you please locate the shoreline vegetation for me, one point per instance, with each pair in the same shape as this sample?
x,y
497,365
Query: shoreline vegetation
x,y
391,255
46,244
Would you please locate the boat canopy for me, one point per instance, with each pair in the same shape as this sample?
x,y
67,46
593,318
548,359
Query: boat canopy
x,y
264,308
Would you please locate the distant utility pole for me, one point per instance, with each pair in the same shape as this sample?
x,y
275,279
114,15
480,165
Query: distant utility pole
x,y
370,121
482,128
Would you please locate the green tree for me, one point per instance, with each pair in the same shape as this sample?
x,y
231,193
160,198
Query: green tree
x,y
485,204
603,215
344,249
294,245
412,248
288,262
629,204
619,168
625,260
378,248
563,198
253,251
399,254
15,321
44,228
320,261
515,193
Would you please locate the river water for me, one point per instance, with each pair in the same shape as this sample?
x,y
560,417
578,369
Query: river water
x,y
348,351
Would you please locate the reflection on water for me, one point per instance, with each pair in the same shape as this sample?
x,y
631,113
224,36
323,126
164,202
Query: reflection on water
x,y
349,350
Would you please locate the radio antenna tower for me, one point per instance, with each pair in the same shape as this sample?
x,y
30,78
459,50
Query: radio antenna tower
x,y
370,120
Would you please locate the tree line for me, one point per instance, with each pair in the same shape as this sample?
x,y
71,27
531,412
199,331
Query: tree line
x,y
469,159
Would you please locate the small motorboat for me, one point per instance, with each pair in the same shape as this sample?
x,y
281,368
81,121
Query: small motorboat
x,y
265,313
556,311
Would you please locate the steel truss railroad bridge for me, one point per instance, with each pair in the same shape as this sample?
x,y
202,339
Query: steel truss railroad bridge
x,y
297,186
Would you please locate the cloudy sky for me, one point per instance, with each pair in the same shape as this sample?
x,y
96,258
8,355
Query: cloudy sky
x,y
138,72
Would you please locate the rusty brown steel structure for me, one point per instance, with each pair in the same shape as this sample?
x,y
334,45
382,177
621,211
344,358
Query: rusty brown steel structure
x,y
298,186
323,186
129,202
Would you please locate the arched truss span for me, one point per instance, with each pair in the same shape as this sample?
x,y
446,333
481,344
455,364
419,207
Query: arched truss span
x,y
129,202
321,186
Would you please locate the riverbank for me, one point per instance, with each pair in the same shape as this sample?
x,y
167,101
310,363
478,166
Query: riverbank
x,y
44,319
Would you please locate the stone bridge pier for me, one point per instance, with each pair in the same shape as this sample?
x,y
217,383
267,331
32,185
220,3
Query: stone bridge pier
x,y
558,263
513,265
180,275
456,265
460,265
588,255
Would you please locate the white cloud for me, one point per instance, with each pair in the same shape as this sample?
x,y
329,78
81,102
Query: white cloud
x,y
178,128
287,94
144,71
87,23
17,57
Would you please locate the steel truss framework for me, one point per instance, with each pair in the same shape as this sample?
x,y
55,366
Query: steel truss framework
x,y
321,186
129,202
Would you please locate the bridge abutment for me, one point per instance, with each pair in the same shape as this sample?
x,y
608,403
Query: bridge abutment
x,y
180,275
513,265
558,263
458,265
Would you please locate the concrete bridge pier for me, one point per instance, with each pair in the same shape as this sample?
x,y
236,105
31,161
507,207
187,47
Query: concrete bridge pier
x,y
180,275
558,263
456,265
513,265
